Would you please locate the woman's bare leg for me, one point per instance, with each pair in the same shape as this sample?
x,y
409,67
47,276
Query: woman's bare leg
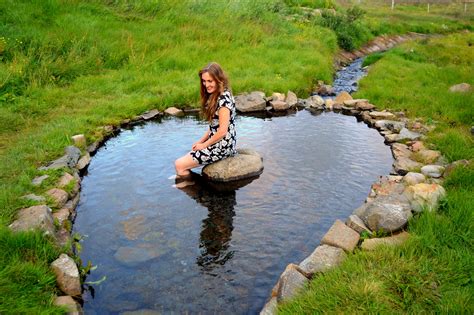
x,y
184,164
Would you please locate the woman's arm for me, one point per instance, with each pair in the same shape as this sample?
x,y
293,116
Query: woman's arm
x,y
201,140
224,121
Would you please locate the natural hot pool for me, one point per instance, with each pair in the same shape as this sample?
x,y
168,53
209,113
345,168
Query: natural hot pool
x,y
195,250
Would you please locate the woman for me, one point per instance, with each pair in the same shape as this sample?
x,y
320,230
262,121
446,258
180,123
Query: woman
x,y
218,107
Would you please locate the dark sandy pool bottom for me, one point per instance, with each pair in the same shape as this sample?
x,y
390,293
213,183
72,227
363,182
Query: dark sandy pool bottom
x,y
198,250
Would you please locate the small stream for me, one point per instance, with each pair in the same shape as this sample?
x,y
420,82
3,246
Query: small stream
x,y
197,250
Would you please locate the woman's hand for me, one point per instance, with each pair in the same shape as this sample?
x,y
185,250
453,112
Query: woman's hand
x,y
198,146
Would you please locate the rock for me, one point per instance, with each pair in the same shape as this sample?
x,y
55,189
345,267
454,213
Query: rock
x,y
435,171
392,125
68,302
356,103
291,280
373,243
367,118
132,256
428,156
93,147
325,89
278,97
173,111
67,275
425,196
341,97
403,165
83,162
37,181
381,115
65,180
36,217
315,101
291,99
72,204
59,196
68,160
323,258
342,236
329,103
406,134
79,141
34,197
63,237
388,213
279,105
150,114
417,146
270,307
386,185
364,106
412,178
400,150
62,215
391,137
460,88
252,102
355,223
247,163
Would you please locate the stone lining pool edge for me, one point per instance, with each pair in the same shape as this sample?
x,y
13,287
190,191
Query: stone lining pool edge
x,y
58,225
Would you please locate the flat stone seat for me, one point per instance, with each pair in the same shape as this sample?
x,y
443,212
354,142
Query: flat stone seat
x,y
245,164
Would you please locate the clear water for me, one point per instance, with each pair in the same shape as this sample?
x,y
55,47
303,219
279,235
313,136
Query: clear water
x,y
200,251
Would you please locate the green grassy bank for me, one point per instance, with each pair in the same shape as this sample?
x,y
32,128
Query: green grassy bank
x,y
68,67
432,272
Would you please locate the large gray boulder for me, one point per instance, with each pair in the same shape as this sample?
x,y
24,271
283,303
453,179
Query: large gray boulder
x,y
387,213
252,102
245,164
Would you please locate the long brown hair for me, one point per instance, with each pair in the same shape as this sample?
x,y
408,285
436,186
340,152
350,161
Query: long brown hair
x,y
209,101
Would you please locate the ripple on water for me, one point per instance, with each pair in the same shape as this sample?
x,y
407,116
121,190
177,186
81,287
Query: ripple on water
x,y
194,249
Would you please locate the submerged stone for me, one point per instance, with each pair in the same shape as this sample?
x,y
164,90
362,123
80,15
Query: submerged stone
x,y
245,164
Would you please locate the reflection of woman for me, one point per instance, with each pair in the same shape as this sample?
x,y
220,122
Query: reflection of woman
x,y
218,106
217,228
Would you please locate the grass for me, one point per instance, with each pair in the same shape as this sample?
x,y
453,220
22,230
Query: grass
x,y
70,67
432,272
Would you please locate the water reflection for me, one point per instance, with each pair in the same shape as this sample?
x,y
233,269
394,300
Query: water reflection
x,y
216,229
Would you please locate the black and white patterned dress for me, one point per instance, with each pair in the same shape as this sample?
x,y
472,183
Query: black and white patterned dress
x,y
225,147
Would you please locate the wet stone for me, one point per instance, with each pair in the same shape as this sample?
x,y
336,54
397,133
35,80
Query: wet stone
x,y
132,256
342,236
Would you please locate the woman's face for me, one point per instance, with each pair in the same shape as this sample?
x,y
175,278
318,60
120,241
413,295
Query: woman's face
x,y
209,83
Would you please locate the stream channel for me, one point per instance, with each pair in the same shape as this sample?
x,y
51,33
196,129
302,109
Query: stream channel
x,y
198,250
